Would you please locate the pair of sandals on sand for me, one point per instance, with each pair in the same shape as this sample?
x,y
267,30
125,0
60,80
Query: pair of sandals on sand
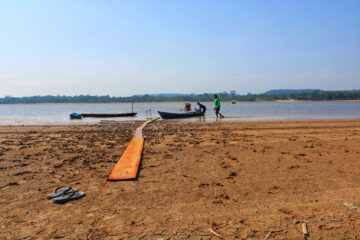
x,y
64,194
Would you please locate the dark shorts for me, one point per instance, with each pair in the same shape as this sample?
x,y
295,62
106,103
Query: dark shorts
x,y
217,109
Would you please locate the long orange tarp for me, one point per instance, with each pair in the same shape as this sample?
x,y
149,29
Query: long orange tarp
x,y
128,164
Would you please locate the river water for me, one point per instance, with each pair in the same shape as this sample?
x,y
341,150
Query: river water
x,y
43,114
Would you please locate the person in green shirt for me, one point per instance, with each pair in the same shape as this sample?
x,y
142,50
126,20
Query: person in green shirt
x,y
217,106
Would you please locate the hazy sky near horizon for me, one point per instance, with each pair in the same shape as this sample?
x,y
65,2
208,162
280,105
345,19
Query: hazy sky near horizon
x,y
122,48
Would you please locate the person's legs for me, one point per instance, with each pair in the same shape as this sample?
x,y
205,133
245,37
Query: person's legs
x,y
217,112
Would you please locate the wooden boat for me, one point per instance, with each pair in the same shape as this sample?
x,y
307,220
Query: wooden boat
x,y
167,115
108,115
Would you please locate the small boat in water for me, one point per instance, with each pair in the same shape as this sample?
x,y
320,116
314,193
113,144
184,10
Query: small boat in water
x,y
100,115
75,116
108,115
167,115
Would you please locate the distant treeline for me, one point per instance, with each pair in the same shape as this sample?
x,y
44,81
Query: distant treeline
x,y
316,95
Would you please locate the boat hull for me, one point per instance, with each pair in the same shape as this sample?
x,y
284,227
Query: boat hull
x,y
167,115
108,115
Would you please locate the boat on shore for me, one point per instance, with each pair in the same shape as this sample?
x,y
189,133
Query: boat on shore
x,y
100,115
167,115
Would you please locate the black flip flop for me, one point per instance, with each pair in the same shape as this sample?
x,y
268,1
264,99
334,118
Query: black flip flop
x,y
58,192
69,196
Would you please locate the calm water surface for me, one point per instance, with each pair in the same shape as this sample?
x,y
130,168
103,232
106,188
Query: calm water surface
x,y
41,114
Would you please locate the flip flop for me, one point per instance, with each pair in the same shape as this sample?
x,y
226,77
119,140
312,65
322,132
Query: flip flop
x,y
58,192
69,196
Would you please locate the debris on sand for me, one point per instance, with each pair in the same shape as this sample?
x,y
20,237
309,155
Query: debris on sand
x,y
267,235
215,233
304,231
351,206
271,232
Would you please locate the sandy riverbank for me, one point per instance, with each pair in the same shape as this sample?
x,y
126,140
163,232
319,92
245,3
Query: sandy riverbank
x,y
242,180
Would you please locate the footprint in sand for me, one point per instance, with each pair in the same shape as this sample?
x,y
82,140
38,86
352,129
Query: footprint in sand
x,y
231,175
21,173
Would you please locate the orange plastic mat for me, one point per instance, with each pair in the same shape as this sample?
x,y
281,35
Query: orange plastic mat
x,y
128,164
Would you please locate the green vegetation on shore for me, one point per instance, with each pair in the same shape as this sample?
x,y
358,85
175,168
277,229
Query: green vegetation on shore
x,y
315,95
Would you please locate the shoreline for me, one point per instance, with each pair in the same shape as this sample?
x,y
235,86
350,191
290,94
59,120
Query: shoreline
x,y
183,121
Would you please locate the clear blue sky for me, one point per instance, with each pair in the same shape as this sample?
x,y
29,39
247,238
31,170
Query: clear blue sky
x,y
130,47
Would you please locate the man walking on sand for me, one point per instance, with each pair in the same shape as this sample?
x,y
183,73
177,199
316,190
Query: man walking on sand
x,y
217,106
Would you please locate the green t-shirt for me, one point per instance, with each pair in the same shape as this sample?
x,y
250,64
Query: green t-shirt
x,y
217,102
